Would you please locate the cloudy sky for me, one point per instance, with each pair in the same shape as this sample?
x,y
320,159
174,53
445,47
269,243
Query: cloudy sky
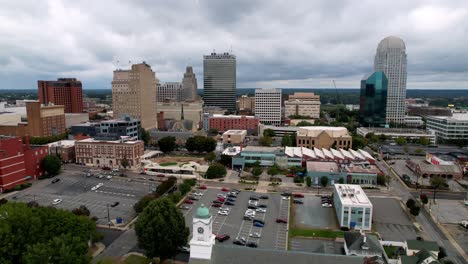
x,y
277,43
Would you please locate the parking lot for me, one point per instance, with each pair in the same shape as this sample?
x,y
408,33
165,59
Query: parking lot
x,y
317,246
449,211
74,190
390,221
311,214
273,235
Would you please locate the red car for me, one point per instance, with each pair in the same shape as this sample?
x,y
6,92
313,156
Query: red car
x,y
202,187
225,189
222,238
160,175
216,205
298,195
280,220
290,175
188,201
221,199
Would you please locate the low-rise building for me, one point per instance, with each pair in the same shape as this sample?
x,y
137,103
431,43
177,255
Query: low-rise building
x,y
171,112
280,131
101,153
394,133
75,118
365,245
449,127
353,209
323,137
414,246
352,173
266,156
413,121
303,104
424,169
65,149
109,129
234,137
224,123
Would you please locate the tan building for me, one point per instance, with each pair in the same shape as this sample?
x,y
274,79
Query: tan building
x,y
177,111
303,104
63,148
134,94
234,137
98,153
323,137
246,103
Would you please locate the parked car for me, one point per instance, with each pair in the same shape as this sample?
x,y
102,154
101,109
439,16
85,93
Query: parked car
x,y
238,242
259,221
216,205
193,198
160,175
55,180
115,204
298,195
286,194
106,168
252,207
251,202
258,224
298,201
231,199
202,187
281,220
198,193
290,175
265,197
260,210
225,209
232,195
255,235
236,190
222,212
252,244
221,195
262,206
225,189
56,201
188,201
248,217
143,173
253,198
217,201
222,238
184,207
221,199
285,198
109,177
229,203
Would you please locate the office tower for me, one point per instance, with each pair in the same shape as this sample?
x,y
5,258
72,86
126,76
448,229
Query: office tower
x,y
219,80
373,100
169,91
303,104
189,83
65,91
268,106
134,94
391,59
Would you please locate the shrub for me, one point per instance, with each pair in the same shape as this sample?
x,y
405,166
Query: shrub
x,y
143,202
410,203
191,182
381,179
424,198
216,171
415,210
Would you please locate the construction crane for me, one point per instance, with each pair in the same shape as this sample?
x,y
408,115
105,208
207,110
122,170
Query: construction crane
x,y
337,101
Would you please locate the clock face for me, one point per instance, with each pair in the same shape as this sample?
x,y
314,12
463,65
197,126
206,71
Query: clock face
x,y
200,230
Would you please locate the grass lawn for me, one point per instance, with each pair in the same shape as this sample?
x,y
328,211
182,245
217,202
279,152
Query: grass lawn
x,y
390,250
135,259
293,232
168,164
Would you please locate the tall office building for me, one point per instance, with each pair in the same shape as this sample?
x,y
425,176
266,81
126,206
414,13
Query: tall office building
x,y
268,106
189,84
134,94
65,91
219,80
391,59
169,91
373,100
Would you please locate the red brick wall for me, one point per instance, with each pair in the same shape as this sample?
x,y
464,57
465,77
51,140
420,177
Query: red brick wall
x,y
12,166
224,124
33,159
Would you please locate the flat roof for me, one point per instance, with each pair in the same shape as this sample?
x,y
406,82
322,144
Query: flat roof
x,y
352,195
322,166
231,116
63,143
395,131
235,131
92,140
262,149
456,117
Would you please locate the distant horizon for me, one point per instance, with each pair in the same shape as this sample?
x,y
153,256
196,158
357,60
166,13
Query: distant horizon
x,y
295,88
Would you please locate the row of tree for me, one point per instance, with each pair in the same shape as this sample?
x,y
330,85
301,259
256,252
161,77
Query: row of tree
x,y
193,144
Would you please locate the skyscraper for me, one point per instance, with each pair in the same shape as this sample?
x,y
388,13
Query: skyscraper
x,y
391,59
134,94
65,91
268,106
170,91
219,80
373,100
189,84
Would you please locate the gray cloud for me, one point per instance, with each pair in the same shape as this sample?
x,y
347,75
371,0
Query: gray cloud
x,y
277,44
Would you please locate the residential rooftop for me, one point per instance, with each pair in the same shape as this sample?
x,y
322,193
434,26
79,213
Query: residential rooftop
x,y
352,195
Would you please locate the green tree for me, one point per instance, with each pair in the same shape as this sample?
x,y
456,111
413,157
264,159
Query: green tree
x,y
200,144
424,141
269,132
418,151
256,171
167,144
265,141
308,181
423,198
415,210
324,181
410,203
381,180
211,156
215,171
401,141
142,203
286,141
124,163
304,123
213,131
358,142
209,144
273,170
437,183
52,165
60,249
382,137
184,188
161,229
82,210
341,181
145,136
226,160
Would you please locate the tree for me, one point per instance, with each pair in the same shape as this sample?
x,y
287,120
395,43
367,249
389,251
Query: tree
x,y
161,229
286,141
442,253
124,162
142,203
341,181
51,165
269,132
423,198
424,141
358,142
308,181
82,210
437,182
226,160
410,203
215,171
401,141
265,141
210,156
304,123
415,210
200,144
145,136
256,171
213,131
273,170
382,137
418,150
184,188
381,179
324,181
167,144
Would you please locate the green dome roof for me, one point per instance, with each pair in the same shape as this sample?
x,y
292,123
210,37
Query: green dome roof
x,y
202,212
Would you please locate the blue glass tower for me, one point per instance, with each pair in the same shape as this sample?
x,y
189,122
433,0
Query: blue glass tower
x,y
373,100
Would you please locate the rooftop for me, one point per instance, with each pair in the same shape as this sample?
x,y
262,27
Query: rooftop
x,y
443,169
262,149
322,166
235,132
122,141
63,143
231,116
358,241
314,131
352,194
456,117
321,153
422,244
390,131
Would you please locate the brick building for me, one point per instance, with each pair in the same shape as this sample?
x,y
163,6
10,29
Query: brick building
x,y
19,162
224,123
63,148
323,137
65,91
101,153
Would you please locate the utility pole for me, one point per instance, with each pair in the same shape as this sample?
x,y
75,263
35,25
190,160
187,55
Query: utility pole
x,y
108,216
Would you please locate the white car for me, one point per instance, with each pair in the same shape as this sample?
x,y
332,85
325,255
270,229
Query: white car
x,y
94,188
221,195
198,194
56,201
225,209
109,177
255,235
253,202
260,210
223,212
285,198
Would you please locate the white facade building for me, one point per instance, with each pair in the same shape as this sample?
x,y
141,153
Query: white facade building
x,y
268,106
391,59
353,208
449,127
170,91
414,121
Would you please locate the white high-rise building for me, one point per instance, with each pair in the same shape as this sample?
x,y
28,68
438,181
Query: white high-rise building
x,y
391,59
268,106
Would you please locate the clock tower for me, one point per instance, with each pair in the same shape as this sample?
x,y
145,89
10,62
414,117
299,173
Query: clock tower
x,y
203,239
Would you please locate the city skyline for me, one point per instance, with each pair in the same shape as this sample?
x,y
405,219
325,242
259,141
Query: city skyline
x,y
269,41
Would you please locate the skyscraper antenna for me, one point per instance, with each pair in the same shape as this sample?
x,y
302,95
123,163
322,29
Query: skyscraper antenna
x,y
230,50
